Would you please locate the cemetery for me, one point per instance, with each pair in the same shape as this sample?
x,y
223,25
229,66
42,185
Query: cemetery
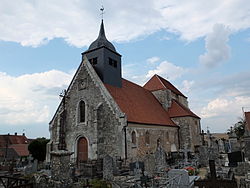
x,y
211,166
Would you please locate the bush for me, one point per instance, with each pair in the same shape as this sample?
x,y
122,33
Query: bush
x,y
38,148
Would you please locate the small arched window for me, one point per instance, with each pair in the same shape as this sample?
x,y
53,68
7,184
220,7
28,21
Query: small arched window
x,y
167,136
147,139
82,111
133,137
158,142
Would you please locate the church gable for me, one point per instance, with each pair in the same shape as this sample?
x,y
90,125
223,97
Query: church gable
x,y
86,102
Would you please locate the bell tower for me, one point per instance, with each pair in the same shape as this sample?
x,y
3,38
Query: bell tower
x,y
105,60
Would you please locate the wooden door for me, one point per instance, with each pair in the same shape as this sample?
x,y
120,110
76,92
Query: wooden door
x,y
82,150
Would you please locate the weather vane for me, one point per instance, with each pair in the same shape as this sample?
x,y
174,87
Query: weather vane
x,y
102,10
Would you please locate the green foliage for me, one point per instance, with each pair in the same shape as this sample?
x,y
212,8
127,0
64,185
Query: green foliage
x,y
96,183
38,148
238,128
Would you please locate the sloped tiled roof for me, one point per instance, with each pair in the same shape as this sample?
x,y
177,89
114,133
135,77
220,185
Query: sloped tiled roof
x,y
179,110
139,104
21,149
13,139
247,116
159,83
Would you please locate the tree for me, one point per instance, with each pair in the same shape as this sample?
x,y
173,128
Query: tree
x,y
238,128
38,148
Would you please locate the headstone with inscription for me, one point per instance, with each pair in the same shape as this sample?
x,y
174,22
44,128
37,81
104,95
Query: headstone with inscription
x,y
149,164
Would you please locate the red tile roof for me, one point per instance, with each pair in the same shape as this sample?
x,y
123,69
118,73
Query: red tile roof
x,y
139,104
159,83
179,110
13,139
21,149
247,116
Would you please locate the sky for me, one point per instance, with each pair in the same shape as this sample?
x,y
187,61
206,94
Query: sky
x,y
202,47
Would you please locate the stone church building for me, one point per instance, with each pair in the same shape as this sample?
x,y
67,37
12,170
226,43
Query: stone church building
x,y
102,113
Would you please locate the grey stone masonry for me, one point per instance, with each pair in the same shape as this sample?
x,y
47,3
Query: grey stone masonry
x,y
108,168
60,165
104,121
189,133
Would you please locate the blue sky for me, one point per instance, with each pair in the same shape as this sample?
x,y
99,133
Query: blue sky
x,y
201,47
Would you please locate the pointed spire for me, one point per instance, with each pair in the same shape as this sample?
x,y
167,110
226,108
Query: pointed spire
x,y
101,40
102,31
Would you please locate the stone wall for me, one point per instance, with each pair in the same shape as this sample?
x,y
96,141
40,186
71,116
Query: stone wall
x,y
103,126
189,132
164,97
166,136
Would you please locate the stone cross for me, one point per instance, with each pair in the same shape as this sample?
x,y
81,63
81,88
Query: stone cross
x,y
185,151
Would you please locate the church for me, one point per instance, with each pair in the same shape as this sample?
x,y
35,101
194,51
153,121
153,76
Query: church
x,y
102,113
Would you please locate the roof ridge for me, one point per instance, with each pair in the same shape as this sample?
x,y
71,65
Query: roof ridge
x,y
186,109
179,92
159,78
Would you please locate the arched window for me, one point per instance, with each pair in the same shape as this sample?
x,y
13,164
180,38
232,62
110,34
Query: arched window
x,y
147,139
158,142
82,111
133,137
167,136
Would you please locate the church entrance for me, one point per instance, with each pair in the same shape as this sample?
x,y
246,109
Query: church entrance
x,y
82,150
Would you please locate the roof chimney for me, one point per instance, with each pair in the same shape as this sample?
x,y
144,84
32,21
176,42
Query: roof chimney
x,y
23,134
15,133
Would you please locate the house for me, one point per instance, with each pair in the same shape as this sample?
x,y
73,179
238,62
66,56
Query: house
x,y
102,113
13,147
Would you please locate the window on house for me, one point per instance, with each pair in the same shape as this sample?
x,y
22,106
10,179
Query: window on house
x,y
147,139
133,137
93,61
112,62
82,111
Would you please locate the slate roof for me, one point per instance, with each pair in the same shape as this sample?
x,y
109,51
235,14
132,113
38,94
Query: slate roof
x,y
101,41
247,116
139,104
179,110
159,83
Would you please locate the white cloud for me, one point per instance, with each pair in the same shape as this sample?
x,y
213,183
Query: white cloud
x,y
76,21
216,46
30,98
153,60
221,113
187,85
167,70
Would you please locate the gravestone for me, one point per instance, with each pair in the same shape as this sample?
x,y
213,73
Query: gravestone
x,y
185,151
34,165
108,168
137,168
221,146
160,160
234,145
149,164
203,155
179,178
